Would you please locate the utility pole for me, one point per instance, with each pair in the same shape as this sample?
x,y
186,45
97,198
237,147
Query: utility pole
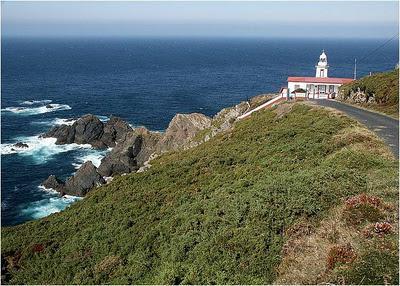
x,y
355,69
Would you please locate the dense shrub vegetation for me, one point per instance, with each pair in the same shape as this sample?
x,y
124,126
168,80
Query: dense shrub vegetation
x,y
379,91
216,213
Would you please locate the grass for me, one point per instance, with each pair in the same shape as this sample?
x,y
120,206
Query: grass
x,y
214,214
345,247
381,91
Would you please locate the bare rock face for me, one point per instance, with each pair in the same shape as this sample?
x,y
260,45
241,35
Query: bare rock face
x,y
181,130
224,119
122,159
114,131
52,182
65,134
88,130
149,144
134,148
84,180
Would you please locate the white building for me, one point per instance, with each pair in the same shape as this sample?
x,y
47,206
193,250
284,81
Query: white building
x,y
320,86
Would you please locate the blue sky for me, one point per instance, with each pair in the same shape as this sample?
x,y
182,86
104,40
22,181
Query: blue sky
x,y
203,19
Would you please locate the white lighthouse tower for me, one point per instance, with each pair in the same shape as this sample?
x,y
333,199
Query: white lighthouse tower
x,y
322,66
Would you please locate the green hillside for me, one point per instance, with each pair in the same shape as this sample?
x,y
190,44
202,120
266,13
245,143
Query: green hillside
x,y
215,214
379,92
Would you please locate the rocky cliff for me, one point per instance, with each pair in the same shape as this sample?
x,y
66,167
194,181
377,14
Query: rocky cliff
x,y
133,148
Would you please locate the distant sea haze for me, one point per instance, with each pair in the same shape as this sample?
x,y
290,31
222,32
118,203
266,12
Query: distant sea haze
x,y
144,81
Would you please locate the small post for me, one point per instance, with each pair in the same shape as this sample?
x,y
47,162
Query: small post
x,y
355,69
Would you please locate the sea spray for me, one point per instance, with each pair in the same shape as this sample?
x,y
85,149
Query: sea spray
x,y
27,111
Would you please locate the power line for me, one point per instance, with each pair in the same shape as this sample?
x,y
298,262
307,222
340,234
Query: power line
x,y
378,48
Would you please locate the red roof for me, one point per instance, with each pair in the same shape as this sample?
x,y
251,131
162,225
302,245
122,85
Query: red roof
x,y
336,80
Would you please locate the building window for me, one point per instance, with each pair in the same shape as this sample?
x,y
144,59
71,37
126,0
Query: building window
x,y
331,88
296,86
321,73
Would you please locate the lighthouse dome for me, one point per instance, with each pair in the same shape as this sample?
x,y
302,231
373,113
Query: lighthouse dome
x,y
323,58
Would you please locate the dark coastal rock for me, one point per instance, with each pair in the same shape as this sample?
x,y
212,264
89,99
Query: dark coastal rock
x,y
21,145
133,148
49,106
88,130
84,180
181,130
64,134
114,131
122,159
150,140
52,182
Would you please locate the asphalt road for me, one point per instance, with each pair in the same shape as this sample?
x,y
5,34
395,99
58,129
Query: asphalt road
x,y
385,127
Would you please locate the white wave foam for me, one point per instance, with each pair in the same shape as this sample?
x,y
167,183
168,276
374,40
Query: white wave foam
x,y
103,118
90,155
55,121
49,205
32,102
65,121
36,110
40,149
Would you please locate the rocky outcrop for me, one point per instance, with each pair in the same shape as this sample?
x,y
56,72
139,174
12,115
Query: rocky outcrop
x,y
181,130
114,131
224,119
134,148
84,180
150,140
122,159
21,145
260,99
358,96
64,134
90,130
52,182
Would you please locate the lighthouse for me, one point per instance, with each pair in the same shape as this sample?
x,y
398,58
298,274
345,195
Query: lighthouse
x,y
320,86
321,69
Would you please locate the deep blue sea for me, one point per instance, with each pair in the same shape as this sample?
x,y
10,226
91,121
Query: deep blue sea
x,y
144,81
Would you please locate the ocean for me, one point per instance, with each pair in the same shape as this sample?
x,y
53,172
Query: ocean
x,y
144,81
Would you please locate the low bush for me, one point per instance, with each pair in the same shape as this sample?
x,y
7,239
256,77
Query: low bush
x,y
340,254
214,214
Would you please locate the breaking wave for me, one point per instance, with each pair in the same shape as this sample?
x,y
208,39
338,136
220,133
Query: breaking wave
x,y
52,204
32,102
90,155
21,110
55,121
64,121
39,149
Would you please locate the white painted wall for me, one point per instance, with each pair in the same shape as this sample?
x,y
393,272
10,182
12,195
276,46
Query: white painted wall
x,y
321,72
312,89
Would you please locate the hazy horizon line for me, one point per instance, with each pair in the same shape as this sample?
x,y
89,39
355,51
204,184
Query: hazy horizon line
x,y
213,37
